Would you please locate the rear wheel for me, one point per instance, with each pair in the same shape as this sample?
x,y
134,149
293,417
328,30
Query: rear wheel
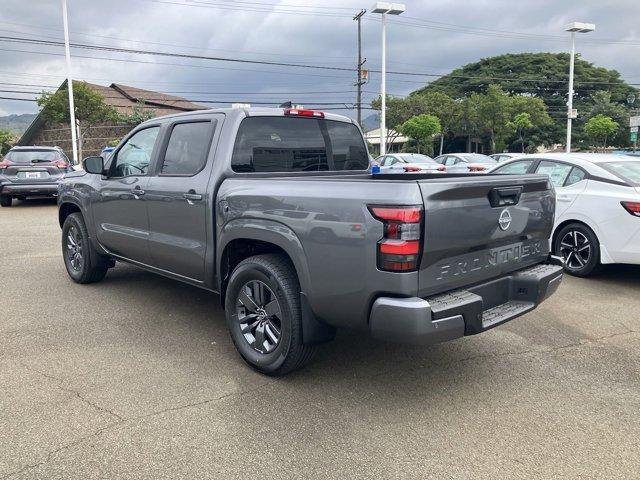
x,y
580,248
5,200
78,252
263,314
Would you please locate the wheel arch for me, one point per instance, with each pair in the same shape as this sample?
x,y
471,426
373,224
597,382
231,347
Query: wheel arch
x,y
67,208
242,238
605,257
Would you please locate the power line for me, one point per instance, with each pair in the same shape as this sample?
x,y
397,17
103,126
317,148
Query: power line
x,y
164,44
282,64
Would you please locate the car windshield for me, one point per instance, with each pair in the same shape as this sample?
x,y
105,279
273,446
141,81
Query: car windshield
x,y
28,156
416,158
478,158
627,171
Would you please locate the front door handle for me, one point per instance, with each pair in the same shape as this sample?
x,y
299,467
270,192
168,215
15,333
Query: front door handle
x,y
191,196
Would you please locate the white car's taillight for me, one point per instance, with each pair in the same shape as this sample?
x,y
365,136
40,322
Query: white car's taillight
x,y
632,207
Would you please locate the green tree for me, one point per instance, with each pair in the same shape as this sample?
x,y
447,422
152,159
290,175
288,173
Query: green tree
x,y
521,124
442,106
140,113
90,108
422,128
445,108
601,127
537,75
601,104
7,139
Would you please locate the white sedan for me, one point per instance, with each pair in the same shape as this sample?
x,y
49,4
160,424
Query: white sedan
x,y
503,157
466,162
597,206
408,162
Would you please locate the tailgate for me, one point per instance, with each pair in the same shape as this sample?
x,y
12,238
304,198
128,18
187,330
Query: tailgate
x,y
480,227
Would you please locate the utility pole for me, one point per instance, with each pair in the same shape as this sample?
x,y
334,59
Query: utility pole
x,y
359,81
72,109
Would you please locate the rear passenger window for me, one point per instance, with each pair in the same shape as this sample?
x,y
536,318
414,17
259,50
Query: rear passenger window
x,y
557,172
285,144
575,176
515,167
187,149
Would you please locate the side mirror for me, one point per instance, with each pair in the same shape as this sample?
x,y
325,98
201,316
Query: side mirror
x,y
93,165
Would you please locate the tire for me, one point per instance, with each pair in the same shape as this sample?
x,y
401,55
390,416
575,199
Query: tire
x,y
246,291
579,247
5,200
78,252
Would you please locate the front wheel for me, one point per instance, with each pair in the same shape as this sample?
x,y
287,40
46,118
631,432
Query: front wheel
x,y
580,248
264,317
78,252
5,200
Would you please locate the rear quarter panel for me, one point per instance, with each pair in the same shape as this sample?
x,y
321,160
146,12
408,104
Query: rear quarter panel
x,y
335,258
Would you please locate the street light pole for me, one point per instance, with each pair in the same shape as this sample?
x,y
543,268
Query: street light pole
x,y
575,27
570,101
383,89
72,112
384,9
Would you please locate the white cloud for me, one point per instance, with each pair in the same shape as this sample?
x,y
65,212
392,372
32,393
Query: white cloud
x,y
313,39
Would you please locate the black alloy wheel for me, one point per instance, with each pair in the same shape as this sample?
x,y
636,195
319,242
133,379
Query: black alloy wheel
x,y
259,314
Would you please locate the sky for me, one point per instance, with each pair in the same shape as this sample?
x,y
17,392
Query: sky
x,y
431,37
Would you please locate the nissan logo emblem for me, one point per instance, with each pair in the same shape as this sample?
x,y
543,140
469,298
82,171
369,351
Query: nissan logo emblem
x,y
505,220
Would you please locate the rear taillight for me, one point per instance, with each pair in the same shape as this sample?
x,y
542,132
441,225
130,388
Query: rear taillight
x,y
476,168
442,168
4,164
632,207
399,249
299,112
411,169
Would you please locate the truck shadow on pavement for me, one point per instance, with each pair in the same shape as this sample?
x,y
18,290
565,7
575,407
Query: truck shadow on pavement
x,y
179,315
194,317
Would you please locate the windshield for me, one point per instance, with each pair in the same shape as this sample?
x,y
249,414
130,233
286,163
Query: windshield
x,y
28,156
627,171
477,158
416,158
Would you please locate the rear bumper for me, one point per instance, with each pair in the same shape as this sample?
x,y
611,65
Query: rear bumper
x,y
33,189
464,312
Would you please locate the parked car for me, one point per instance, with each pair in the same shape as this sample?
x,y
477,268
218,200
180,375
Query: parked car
x,y
503,157
274,209
30,172
598,205
466,162
408,162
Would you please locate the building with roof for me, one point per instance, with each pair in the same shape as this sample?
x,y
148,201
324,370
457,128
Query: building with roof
x,y
123,99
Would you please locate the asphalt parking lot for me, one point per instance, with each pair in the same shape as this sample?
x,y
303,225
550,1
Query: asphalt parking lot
x,y
136,377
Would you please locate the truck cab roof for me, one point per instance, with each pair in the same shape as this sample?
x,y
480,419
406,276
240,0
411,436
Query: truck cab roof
x,y
251,112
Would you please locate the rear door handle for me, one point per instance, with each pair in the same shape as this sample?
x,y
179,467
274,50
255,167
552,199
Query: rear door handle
x,y
191,196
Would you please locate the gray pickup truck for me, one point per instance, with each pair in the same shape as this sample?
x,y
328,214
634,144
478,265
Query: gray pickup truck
x,y
274,210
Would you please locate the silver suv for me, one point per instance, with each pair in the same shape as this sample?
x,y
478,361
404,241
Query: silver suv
x,y
31,171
